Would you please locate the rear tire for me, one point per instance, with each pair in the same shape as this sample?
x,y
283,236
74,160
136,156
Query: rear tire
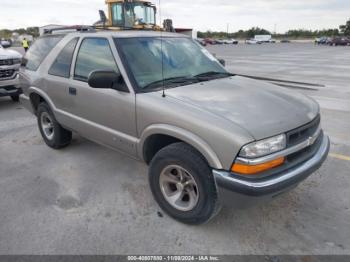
x,y
15,98
54,135
183,185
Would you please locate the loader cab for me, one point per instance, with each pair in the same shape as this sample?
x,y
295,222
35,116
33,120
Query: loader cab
x,y
131,14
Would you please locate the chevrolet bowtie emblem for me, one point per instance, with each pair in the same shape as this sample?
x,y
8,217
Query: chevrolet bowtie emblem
x,y
310,141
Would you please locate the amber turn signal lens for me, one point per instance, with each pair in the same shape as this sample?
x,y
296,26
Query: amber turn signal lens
x,y
254,169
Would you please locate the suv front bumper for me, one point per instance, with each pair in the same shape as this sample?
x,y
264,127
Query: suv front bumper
x,y
275,184
10,87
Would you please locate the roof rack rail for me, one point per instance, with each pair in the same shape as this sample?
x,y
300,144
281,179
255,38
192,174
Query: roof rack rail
x,y
78,28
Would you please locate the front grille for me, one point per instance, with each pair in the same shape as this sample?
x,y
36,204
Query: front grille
x,y
9,88
7,73
6,62
301,134
307,152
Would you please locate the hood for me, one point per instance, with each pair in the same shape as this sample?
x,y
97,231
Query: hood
x,y
263,109
9,54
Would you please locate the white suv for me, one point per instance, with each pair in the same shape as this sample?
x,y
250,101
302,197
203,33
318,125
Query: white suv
x,y
10,62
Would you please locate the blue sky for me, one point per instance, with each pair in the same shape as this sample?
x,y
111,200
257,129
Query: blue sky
x,y
198,14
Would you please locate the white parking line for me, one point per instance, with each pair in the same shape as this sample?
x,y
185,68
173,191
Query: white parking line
x,y
338,156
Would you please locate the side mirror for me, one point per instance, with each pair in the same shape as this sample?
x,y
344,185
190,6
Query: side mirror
x,y
107,80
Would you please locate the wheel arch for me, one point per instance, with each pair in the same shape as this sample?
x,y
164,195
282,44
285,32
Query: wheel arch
x,y
37,96
158,136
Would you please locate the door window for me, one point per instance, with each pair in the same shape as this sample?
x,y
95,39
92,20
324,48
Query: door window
x,y
61,66
94,54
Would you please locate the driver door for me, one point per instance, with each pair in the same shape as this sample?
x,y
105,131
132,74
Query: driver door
x,y
106,116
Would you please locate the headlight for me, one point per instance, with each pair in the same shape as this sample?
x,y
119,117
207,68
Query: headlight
x,y
264,147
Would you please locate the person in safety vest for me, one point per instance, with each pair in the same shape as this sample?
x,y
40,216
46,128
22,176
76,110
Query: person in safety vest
x,y
25,44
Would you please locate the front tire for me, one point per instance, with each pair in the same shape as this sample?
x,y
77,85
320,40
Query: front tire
x,y
183,185
54,135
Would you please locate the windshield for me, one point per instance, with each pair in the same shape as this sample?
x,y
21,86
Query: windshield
x,y
182,59
144,14
131,14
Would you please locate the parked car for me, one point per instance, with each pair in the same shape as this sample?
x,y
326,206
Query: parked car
x,y
230,41
285,41
202,42
339,41
253,42
195,127
219,41
5,43
210,41
10,62
264,39
322,40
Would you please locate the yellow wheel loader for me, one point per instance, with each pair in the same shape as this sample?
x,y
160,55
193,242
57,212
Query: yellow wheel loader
x,y
129,14
125,15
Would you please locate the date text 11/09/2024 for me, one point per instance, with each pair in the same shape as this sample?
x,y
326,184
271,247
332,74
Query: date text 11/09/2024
x,y
173,258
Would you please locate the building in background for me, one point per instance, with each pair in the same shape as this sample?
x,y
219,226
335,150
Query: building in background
x,y
186,31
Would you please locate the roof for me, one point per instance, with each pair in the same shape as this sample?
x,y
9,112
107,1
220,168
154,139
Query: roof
x,y
49,25
125,33
140,33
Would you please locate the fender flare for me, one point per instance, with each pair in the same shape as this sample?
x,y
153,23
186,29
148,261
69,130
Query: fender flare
x,y
184,135
34,90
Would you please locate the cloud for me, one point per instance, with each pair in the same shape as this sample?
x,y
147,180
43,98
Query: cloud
x,y
198,14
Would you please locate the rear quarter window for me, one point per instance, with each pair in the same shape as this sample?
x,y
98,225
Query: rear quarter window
x,y
62,64
39,50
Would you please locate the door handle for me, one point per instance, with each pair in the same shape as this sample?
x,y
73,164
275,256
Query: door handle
x,y
72,91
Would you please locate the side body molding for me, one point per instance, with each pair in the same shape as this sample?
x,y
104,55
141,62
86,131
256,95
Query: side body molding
x,y
184,135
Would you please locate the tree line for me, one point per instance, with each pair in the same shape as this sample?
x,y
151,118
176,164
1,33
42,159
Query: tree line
x,y
343,30
7,34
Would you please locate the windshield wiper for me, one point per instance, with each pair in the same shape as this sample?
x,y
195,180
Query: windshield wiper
x,y
171,81
186,79
213,74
